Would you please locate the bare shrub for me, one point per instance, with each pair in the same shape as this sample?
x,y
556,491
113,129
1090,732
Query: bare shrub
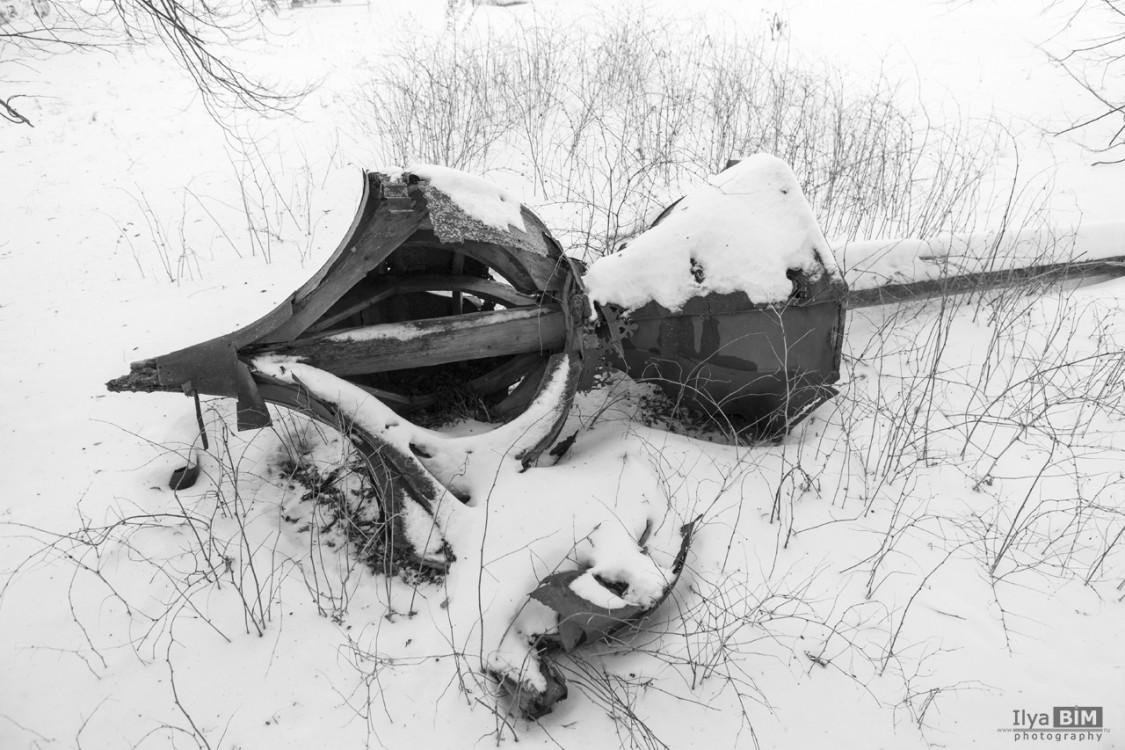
x,y
611,122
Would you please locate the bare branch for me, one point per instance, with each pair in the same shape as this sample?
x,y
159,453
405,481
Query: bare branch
x,y
199,35
9,113
1105,52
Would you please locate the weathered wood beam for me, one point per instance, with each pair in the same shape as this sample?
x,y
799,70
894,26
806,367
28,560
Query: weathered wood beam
x,y
143,377
427,342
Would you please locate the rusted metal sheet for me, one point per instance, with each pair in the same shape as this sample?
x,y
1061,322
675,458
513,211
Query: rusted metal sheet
x,y
759,368
763,368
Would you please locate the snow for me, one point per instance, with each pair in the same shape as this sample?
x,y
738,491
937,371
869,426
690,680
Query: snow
x,y
934,548
479,198
740,233
587,587
474,465
466,464
614,555
412,329
384,331
275,363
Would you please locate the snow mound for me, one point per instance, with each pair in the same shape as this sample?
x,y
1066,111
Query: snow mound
x,y
482,200
741,233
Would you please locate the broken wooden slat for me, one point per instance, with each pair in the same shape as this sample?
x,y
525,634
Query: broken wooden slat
x,y
143,377
527,273
484,288
428,342
457,268
400,403
522,395
504,375
485,385
387,229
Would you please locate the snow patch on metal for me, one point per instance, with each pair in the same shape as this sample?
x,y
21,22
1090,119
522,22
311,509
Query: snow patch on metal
x,y
744,232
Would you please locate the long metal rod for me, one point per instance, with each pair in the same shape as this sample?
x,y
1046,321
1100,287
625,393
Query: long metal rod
x,y
1053,273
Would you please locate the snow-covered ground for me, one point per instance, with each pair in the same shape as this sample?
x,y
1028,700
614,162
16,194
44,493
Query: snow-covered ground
x,y
934,551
